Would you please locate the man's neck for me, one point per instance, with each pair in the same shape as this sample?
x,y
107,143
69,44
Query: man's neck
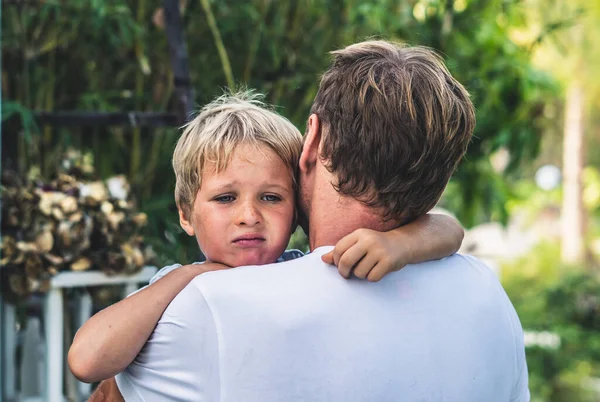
x,y
333,216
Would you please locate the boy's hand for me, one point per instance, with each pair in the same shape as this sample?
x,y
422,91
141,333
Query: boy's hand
x,y
372,255
368,254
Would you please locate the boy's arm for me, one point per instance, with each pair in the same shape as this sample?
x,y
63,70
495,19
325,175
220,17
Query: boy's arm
x,y
109,341
370,254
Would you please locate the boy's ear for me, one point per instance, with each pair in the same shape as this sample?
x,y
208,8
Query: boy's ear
x,y
310,148
185,224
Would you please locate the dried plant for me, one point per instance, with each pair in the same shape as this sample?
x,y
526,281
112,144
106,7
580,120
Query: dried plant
x,y
71,223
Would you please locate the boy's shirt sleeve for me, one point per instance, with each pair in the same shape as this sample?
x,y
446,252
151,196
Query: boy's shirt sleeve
x,y
165,270
161,272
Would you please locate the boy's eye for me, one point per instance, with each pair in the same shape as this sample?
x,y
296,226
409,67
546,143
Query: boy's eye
x,y
224,198
271,198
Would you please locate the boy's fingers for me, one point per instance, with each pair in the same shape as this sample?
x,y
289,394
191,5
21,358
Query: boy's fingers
x,y
349,259
328,257
340,248
376,273
364,267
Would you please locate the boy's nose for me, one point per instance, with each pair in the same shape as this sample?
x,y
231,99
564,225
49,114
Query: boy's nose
x,y
248,215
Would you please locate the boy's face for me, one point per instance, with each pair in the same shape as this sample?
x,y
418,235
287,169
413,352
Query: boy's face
x,y
244,214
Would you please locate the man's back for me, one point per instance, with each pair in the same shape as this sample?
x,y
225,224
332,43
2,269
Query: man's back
x,y
297,331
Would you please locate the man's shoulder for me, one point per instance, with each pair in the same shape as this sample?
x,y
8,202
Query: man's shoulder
x,y
455,265
459,276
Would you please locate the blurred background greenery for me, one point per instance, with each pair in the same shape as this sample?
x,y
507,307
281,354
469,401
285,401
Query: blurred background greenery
x,y
530,66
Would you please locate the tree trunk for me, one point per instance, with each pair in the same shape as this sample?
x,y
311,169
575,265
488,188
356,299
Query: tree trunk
x,y
572,250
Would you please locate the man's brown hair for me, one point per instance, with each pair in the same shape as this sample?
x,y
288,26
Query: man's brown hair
x,y
394,125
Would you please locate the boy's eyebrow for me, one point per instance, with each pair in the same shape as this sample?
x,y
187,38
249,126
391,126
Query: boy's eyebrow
x,y
230,186
281,188
224,187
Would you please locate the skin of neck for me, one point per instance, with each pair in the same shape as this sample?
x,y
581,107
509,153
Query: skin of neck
x,y
333,215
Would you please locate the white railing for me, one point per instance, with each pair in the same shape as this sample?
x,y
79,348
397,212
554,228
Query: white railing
x,y
54,352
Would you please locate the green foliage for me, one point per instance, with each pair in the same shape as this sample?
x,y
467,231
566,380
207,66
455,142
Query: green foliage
x,y
565,301
299,241
11,109
110,55
532,201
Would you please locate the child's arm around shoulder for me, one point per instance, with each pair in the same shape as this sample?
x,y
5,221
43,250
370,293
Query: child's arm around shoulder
x,y
372,255
109,341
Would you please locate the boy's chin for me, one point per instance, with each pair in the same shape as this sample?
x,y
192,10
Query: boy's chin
x,y
255,258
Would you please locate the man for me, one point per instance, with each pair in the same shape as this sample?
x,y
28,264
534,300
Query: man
x,y
387,129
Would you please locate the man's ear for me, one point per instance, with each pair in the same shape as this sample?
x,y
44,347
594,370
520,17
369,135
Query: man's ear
x,y
312,139
185,224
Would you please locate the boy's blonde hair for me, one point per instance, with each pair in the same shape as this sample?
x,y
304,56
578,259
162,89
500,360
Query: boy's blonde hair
x,y
214,134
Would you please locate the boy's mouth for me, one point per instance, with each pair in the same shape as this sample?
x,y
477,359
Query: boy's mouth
x,y
249,240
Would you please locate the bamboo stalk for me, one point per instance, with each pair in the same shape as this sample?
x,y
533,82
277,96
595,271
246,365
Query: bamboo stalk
x,y
293,20
152,162
157,141
49,106
212,23
255,41
26,96
136,141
